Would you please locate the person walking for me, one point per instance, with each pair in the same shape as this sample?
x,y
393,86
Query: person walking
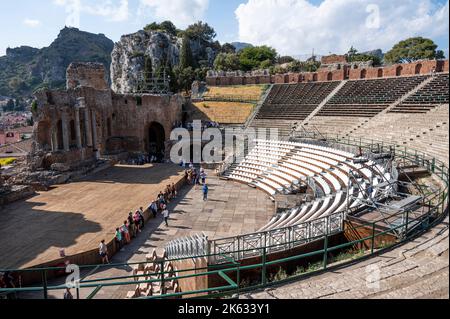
x,y
205,192
165,213
103,251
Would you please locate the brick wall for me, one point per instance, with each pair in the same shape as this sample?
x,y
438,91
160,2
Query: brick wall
x,y
419,67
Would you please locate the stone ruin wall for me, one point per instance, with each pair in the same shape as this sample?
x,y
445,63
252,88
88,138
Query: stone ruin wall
x,y
87,120
88,75
346,72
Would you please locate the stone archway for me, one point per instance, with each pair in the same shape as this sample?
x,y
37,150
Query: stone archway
x,y
59,136
330,76
380,72
44,135
363,73
398,71
155,140
418,68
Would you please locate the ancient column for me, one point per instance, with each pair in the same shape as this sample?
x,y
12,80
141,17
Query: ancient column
x,y
94,130
54,140
87,127
65,131
77,127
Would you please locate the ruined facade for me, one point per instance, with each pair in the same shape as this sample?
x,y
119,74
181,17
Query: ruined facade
x,y
76,126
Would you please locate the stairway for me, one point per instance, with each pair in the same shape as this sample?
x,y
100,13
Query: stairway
x,y
390,107
325,101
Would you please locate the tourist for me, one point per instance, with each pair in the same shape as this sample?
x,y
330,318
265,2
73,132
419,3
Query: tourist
x,y
154,208
141,216
119,238
137,222
203,176
103,251
165,214
126,232
131,227
205,192
67,294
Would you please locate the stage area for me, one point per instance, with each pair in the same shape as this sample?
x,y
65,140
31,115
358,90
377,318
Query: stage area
x,y
78,215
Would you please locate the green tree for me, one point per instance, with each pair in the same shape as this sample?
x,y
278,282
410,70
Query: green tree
x,y
148,68
201,31
9,107
226,62
228,48
440,54
252,57
412,49
285,59
165,26
186,59
184,77
169,27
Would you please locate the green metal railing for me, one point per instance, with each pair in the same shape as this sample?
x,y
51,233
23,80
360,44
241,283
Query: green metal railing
x,y
433,213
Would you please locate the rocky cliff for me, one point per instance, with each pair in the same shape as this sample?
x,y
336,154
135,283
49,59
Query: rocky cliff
x,y
26,69
154,49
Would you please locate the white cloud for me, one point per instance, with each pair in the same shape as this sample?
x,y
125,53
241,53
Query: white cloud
x,y
180,12
32,23
297,26
112,10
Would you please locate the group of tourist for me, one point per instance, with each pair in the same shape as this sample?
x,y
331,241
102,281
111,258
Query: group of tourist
x,y
146,159
135,222
196,177
190,125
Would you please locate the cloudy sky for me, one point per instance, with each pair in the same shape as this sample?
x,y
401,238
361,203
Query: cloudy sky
x,y
294,27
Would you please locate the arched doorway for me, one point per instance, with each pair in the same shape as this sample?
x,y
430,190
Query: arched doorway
x,y
59,135
398,71
380,73
418,68
363,73
330,76
109,127
44,135
156,140
315,77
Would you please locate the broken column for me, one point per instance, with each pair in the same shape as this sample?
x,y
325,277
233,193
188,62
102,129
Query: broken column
x,y
65,131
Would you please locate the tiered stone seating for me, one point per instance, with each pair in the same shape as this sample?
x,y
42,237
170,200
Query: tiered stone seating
x,y
335,125
427,132
367,98
433,94
294,101
151,271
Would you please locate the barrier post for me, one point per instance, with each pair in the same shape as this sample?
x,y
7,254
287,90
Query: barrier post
x,y
44,283
373,239
325,252
407,223
264,267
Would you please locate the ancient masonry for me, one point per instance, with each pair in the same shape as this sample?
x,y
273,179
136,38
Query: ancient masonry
x,y
87,120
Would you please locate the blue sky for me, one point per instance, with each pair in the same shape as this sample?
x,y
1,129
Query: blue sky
x,y
291,26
